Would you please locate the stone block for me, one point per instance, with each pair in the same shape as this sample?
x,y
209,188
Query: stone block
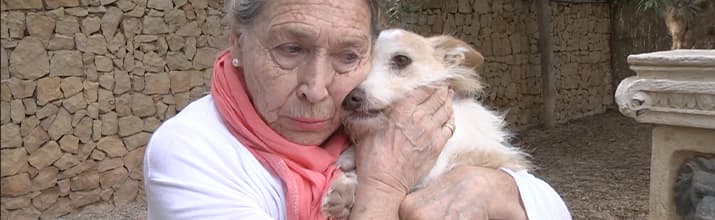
x,y
137,140
108,164
126,193
45,178
130,125
86,181
60,208
61,125
48,89
13,161
10,136
29,60
62,3
113,146
45,156
110,21
45,200
40,26
16,185
66,161
22,4
113,177
16,202
24,213
67,25
37,137
124,105
82,198
66,63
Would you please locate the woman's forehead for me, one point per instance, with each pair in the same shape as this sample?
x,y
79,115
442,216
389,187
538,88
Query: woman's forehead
x,y
343,21
334,13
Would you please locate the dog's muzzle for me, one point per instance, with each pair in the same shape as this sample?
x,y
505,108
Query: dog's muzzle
x,y
355,100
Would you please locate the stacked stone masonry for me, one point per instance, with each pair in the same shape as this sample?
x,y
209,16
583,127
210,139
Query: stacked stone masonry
x,y
84,84
506,33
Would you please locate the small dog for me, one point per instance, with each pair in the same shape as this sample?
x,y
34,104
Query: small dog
x,y
691,23
403,61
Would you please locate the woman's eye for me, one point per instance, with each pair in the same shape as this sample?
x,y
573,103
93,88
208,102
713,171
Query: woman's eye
x,y
349,57
290,49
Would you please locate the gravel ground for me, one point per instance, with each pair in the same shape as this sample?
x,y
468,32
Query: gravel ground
x,y
599,164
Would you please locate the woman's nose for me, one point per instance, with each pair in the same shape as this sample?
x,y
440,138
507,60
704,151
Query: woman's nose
x,y
315,79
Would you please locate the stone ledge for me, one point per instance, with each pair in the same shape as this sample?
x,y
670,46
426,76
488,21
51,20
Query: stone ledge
x,y
662,93
693,57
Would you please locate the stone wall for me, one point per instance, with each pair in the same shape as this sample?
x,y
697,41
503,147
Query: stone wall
x,y
506,32
84,83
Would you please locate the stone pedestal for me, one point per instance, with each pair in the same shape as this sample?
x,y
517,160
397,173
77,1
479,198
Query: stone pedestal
x,y
675,91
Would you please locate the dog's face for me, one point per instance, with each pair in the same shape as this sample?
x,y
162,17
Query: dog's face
x,y
403,61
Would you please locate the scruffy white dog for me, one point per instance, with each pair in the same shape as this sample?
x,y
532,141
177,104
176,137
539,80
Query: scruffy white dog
x,y
402,62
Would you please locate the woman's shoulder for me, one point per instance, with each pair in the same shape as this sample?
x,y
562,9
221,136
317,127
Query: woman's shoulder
x,y
200,113
197,130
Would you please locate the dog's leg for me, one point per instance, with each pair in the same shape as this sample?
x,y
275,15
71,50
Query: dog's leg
x,y
346,161
340,197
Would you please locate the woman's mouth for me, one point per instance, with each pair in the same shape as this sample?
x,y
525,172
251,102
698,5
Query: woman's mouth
x,y
309,124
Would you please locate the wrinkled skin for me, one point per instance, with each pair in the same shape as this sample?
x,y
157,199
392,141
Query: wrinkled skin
x,y
294,62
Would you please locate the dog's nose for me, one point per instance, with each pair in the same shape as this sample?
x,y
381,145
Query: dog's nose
x,y
354,100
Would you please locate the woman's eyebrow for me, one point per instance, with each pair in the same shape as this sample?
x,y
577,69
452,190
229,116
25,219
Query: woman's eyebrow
x,y
295,30
356,40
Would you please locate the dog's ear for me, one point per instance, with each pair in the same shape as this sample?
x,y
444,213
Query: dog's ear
x,y
456,52
453,51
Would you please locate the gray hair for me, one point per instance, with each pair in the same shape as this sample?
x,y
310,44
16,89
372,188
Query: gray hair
x,y
243,12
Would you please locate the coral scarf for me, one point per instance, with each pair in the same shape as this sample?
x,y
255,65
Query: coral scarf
x,y
306,171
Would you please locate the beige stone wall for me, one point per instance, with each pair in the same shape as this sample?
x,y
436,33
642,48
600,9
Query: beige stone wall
x,y
505,31
84,83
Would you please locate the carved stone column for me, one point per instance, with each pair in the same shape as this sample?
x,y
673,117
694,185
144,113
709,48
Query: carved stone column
x,y
675,90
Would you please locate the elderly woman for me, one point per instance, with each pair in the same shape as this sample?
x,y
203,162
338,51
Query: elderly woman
x,y
263,143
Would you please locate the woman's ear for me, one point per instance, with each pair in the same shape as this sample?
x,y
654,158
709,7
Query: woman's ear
x,y
456,52
235,43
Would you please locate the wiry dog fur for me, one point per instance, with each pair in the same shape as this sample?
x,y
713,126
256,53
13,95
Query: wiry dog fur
x,y
479,139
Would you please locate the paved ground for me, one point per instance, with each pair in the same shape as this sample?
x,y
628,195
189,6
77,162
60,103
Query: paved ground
x,y
599,164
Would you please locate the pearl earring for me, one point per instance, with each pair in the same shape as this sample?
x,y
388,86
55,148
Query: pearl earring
x,y
235,62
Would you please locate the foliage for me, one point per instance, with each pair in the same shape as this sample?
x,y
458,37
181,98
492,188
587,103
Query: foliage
x,y
392,9
395,8
685,8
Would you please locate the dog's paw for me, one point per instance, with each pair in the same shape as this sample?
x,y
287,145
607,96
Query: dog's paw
x,y
340,197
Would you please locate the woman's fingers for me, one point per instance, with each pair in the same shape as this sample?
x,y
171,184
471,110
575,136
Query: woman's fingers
x,y
407,105
436,101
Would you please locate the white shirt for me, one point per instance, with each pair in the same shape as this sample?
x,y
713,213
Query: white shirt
x,y
195,169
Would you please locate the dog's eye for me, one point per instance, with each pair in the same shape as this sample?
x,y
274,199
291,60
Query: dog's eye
x,y
401,61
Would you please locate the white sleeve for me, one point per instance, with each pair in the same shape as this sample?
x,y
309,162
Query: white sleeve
x,y
540,200
186,180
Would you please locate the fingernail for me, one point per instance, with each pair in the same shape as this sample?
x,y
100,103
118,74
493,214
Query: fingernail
x,y
451,93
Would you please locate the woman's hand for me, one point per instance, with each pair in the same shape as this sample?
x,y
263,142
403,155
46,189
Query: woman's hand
x,y
392,160
466,193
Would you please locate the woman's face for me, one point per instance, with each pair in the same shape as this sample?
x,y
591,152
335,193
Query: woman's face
x,y
300,59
